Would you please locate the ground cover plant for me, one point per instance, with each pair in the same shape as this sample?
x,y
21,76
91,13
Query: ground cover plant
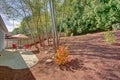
x,y
109,37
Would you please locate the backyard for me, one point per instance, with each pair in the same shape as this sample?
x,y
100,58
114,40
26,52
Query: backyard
x,y
60,40
92,59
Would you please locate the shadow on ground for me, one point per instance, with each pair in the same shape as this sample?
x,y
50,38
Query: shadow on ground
x,y
7,73
73,65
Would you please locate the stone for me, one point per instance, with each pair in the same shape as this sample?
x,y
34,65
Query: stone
x,y
48,61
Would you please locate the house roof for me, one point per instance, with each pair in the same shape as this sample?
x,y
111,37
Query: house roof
x,y
2,25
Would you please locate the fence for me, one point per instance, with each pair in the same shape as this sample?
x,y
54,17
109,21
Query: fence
x,y
9,42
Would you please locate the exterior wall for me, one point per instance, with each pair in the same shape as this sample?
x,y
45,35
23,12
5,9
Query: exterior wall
x,y
2,40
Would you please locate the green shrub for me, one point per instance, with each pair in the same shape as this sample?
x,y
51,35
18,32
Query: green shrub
x,y
116,26
109,37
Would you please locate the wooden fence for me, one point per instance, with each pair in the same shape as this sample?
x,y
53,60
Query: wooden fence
x,y
9,42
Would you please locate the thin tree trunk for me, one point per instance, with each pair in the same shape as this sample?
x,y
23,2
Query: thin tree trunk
x,y
55,35
59,34
46,22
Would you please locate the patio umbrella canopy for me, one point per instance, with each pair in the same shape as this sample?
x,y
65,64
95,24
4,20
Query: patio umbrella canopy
x,y
20,36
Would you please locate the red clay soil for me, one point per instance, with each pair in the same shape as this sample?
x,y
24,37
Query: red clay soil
x,y
92,60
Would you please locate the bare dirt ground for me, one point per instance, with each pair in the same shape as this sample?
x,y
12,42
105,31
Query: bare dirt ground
x,y
93,59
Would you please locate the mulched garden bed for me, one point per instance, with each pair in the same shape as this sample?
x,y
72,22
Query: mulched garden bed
x,y
93,59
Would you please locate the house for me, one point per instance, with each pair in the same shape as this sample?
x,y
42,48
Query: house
x,y
3,31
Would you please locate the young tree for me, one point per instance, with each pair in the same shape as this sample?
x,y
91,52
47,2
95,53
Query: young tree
x,y
55,34
46,19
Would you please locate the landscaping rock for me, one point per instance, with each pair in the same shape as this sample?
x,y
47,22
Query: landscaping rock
x,y
48,61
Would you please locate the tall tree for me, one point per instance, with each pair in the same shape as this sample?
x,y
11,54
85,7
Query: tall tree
x,y
55,35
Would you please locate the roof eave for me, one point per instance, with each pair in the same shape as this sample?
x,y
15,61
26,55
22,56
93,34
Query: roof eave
x,y
3,25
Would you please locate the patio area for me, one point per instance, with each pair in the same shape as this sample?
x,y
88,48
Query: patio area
x,y
19,59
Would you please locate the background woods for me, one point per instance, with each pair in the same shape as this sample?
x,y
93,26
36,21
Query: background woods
x,y
72,17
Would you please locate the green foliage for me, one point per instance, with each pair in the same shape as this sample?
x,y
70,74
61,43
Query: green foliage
x,y
116,26
23,29
109,37
79,16
91,16
15,31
